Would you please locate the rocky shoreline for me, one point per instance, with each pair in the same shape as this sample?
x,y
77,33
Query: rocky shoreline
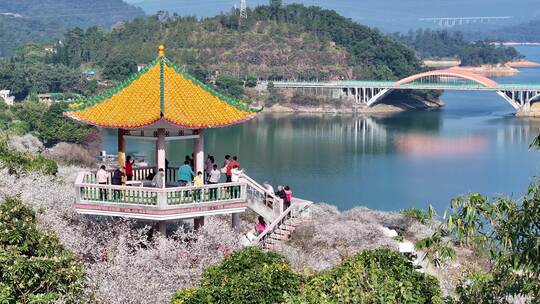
x,y
389,108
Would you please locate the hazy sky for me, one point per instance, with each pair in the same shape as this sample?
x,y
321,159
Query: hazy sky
x,y
389,15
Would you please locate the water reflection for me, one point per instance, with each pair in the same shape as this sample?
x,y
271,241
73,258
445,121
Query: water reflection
x,y
386,162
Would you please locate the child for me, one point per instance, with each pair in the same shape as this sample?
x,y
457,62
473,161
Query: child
x,y
261,225
198,182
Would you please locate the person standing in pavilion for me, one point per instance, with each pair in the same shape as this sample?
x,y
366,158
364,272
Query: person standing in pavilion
x,y
236,174
185,174
102,177
233,163
208,166
159,179
215,176
129,168
225,166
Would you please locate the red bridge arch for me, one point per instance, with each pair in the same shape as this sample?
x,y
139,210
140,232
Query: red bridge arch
x,y
453,72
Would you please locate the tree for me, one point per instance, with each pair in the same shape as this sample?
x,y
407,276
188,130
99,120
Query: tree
x,y
506,234
247,276
373,276
34,266
119,67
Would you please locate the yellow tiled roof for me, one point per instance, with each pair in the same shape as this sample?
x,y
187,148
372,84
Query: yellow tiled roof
x,y
161,91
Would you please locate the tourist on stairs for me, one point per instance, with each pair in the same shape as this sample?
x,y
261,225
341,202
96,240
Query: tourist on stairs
x,y
260,227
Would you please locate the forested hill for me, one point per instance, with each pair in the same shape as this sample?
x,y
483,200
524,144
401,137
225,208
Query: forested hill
x,y
292,41
445,44
23,21
525,32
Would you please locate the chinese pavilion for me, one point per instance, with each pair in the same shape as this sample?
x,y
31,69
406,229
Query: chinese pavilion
x,y
163,103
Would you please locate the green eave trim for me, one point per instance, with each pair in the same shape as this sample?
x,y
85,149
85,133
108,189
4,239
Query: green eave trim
x,y
241,105
83,104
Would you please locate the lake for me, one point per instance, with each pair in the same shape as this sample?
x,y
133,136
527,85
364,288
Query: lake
x,y
412,159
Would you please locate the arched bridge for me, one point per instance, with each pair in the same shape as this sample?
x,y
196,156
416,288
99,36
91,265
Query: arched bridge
x,y
370,93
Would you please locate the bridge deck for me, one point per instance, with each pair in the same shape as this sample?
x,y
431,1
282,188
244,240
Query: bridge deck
x,y
409,86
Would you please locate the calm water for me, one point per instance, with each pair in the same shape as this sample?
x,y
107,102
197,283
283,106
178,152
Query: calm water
x,y
405,160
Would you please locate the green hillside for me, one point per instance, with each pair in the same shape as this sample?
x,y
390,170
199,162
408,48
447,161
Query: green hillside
x,y
25,21
276,42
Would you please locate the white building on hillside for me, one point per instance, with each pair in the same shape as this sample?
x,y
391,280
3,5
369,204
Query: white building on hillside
x,y
4,94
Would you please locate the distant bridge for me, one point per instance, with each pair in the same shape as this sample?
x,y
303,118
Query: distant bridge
x,y
370,93
453,21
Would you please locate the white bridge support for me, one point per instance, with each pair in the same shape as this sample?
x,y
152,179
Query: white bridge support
x,y
521,100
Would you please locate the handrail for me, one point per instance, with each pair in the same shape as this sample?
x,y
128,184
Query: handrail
x,y
274,225
277,222
259,187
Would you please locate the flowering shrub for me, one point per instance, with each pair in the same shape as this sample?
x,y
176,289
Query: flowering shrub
x,y
34,266
71,154
337,235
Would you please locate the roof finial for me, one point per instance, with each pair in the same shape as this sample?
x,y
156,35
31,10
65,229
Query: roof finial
x,y
161,50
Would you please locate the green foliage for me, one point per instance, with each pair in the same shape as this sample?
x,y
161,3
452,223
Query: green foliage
x,y
247,276
48,123
373,276
24,77
230,85
524,32
274,96
506,233
54,127
119,67
420,215
25,162
34,266
19,127
38,26
445,44
437,248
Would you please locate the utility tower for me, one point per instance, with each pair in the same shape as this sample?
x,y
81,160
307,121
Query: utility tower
x,y
243,9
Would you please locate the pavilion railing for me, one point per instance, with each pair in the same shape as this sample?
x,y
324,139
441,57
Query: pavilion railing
x,y
89,191
139,174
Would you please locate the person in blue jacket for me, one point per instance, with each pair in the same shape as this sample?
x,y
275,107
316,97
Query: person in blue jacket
x,y
185,174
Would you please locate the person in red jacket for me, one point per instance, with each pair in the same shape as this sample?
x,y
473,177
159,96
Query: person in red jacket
x,y
129,168
233,163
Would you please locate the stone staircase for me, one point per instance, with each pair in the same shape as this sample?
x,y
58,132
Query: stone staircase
x,y
284,226
281,234
282,222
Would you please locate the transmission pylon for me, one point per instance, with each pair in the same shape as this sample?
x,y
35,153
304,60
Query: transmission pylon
x,y
243,9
